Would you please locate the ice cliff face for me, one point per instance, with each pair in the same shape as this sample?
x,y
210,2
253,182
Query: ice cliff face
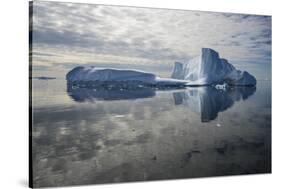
x,y
209,68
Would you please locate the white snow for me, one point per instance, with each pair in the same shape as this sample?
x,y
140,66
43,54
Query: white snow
x,y
108,74
208,68
221,87
129,76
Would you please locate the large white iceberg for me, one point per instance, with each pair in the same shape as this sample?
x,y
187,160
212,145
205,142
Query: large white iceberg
x,y
89,76
208,68
92,73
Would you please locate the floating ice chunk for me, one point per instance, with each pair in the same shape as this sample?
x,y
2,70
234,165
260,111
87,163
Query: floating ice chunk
x,y
221,87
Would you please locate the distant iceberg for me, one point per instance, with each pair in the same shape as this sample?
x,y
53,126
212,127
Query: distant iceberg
x,y
43,78
206,69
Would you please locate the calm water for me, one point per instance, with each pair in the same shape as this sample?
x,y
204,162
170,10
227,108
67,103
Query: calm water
x,y
84,136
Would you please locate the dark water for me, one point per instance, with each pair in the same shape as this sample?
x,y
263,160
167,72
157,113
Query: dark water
x,y
87,136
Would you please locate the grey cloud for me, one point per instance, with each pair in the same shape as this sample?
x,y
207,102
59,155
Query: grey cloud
x,y
65,38
153,34
43,54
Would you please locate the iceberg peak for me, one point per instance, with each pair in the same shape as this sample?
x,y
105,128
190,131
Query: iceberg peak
x,y
208,68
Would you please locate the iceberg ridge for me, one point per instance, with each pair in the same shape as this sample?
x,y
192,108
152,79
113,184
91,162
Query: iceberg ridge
x,y
208,68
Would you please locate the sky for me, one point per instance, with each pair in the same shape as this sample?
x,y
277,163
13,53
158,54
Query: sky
x,y
68,34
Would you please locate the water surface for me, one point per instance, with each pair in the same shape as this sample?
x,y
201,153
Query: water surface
x,y
89,136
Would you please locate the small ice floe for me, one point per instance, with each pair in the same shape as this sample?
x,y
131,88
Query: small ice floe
x,y
221,87
44,78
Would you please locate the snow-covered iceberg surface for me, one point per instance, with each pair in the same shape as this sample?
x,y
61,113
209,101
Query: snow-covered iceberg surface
x,y
208,68
81,73
118,78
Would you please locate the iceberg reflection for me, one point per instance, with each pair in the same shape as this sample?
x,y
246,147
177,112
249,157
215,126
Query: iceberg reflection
x,y
206,101
209,101
100,93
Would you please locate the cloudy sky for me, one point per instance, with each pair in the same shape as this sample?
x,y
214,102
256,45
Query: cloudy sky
x,y
66,34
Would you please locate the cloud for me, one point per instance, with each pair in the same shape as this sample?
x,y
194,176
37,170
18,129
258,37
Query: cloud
x,y
150,35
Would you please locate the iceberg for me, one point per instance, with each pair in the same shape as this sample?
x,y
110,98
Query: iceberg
x,y
92,73
118,78
206,69
209,69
